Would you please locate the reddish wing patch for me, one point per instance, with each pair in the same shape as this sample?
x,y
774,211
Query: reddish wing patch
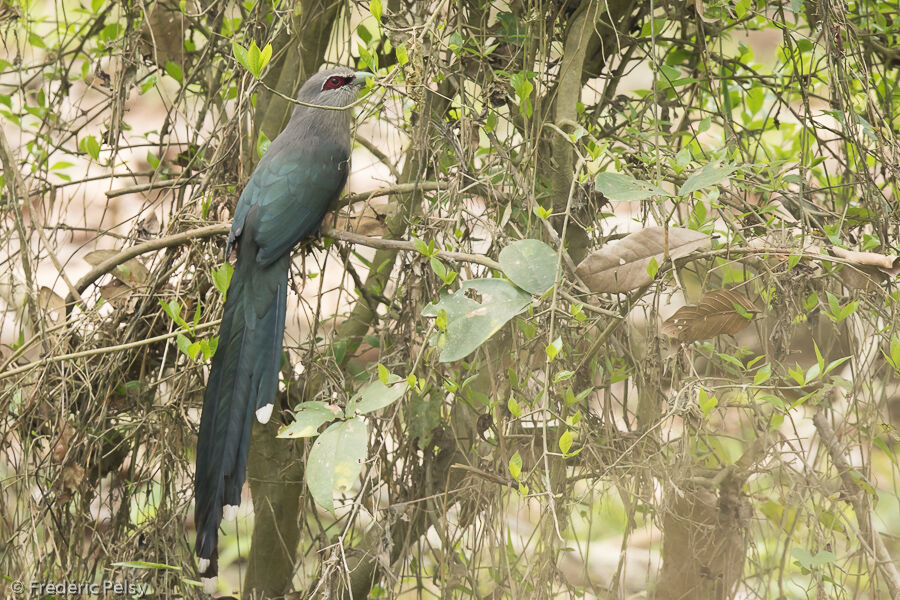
x,y
336,81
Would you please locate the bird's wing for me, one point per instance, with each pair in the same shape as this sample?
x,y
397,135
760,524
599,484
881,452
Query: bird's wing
x,y
292,189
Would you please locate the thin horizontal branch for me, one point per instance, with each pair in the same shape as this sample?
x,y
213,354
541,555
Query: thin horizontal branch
x,y
151,185
222,228
355,238
99,351
144,247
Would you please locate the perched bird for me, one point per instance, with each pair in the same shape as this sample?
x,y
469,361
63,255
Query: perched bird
x,y
300,175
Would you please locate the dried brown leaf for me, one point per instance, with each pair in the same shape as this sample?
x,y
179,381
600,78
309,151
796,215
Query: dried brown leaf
x,y
132,271
369,221
716,313
117,294
149,226
51,303
623,267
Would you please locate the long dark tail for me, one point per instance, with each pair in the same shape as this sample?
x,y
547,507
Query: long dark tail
x,y
242,382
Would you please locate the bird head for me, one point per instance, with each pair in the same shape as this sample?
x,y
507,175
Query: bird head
x,y
334,87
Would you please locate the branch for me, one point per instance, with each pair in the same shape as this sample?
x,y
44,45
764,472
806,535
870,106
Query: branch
x,y
857,497
149,246
222,228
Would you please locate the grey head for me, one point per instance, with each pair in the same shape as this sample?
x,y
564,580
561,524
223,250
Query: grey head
x,y
333,87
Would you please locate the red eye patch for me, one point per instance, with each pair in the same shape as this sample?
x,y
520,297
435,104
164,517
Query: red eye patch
x,y
336,81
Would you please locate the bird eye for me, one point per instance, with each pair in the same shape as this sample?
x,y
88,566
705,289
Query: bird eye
x,y
336,81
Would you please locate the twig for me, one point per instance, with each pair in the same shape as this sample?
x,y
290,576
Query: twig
x,y
385,244
152,185
377,153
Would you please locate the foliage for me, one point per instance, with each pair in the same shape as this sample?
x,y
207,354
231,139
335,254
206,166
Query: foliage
x,y
630,277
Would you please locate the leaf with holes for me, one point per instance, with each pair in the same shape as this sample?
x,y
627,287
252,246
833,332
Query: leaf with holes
x,y
719,311
623,266
707,175
336,460
469,322
622,188
376,395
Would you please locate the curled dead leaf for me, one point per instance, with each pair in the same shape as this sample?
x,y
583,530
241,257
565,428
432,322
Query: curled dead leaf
x,y
719,311
623,266
886,264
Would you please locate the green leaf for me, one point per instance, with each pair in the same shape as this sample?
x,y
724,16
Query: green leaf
x,y
336,460
258,59
173,309
541,212
622,188
565,442
383,374
652,267
240,55
530,264
221,277
148,82
376,395
262,144
91,146
563,376
174,71
894,358
810,562
469,322
375,8
521,83
819,359
706,402
183,344
439,268
402,54
706,176
553,348
421,247
515,466
763,375
772,399
515,409
308,417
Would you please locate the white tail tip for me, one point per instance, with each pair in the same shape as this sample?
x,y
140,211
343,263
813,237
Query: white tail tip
x,y
264,413
229,512
209,585
202,564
